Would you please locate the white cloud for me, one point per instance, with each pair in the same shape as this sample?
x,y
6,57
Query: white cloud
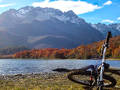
x,y
6,5
107,21
79,7
108,3
118,18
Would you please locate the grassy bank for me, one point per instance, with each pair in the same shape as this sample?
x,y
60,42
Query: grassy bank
x,y
46,81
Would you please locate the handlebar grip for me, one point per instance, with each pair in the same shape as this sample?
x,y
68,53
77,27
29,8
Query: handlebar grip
x,y
109,35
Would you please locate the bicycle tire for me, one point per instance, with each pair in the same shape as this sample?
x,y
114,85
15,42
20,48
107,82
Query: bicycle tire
x,y
115,71
88,73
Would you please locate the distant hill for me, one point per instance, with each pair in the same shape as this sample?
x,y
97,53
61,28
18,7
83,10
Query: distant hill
x,y
12,50
45,28
91,51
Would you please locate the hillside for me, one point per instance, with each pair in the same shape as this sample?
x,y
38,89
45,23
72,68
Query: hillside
x,y
36,27
82,52
45,28
12,50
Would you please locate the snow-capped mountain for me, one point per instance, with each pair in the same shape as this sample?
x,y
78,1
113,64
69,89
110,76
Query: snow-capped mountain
x,y
116,26
103,28
29,14
45,28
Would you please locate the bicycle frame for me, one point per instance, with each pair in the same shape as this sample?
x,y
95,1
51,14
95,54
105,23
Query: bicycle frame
x,y
105,46
102,68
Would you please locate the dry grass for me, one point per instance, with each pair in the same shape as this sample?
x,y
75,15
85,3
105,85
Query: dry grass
x,y
42,82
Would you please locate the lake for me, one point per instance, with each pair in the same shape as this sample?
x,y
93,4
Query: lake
x,y
24,66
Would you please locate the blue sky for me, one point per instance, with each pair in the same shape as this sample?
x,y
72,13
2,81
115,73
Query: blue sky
x,y
93,11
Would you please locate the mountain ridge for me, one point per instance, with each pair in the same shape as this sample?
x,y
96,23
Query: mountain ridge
x,y
32,24
103,28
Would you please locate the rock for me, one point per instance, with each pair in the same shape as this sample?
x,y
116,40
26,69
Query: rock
x,y
61,70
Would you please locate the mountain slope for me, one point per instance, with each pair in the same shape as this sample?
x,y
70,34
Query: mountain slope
x,y
45,27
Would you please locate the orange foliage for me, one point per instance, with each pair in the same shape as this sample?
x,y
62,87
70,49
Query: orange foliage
x,y
82,52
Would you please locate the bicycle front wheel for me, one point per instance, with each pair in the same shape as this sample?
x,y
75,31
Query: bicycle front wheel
x,y
81,77
84,78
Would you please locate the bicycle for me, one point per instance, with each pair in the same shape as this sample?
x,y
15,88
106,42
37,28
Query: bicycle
x,y
94,75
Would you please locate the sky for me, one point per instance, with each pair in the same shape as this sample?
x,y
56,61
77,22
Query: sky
x,y
93,11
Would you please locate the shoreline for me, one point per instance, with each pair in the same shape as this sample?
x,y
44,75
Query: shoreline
x,y
12,57
56,59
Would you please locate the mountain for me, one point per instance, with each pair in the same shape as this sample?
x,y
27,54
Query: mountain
x,y
45,28
103,28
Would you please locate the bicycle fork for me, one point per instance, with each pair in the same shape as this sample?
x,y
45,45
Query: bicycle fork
x,y
100,81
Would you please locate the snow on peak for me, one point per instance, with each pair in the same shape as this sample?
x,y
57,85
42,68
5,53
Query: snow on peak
x,y
23,11
37,13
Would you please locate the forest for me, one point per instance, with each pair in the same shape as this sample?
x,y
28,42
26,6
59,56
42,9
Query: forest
x,y
91,51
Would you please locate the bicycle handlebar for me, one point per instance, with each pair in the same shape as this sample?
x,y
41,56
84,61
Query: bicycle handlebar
x,y
109,35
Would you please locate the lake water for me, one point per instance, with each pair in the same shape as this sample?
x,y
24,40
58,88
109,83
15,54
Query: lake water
x,y
17,66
